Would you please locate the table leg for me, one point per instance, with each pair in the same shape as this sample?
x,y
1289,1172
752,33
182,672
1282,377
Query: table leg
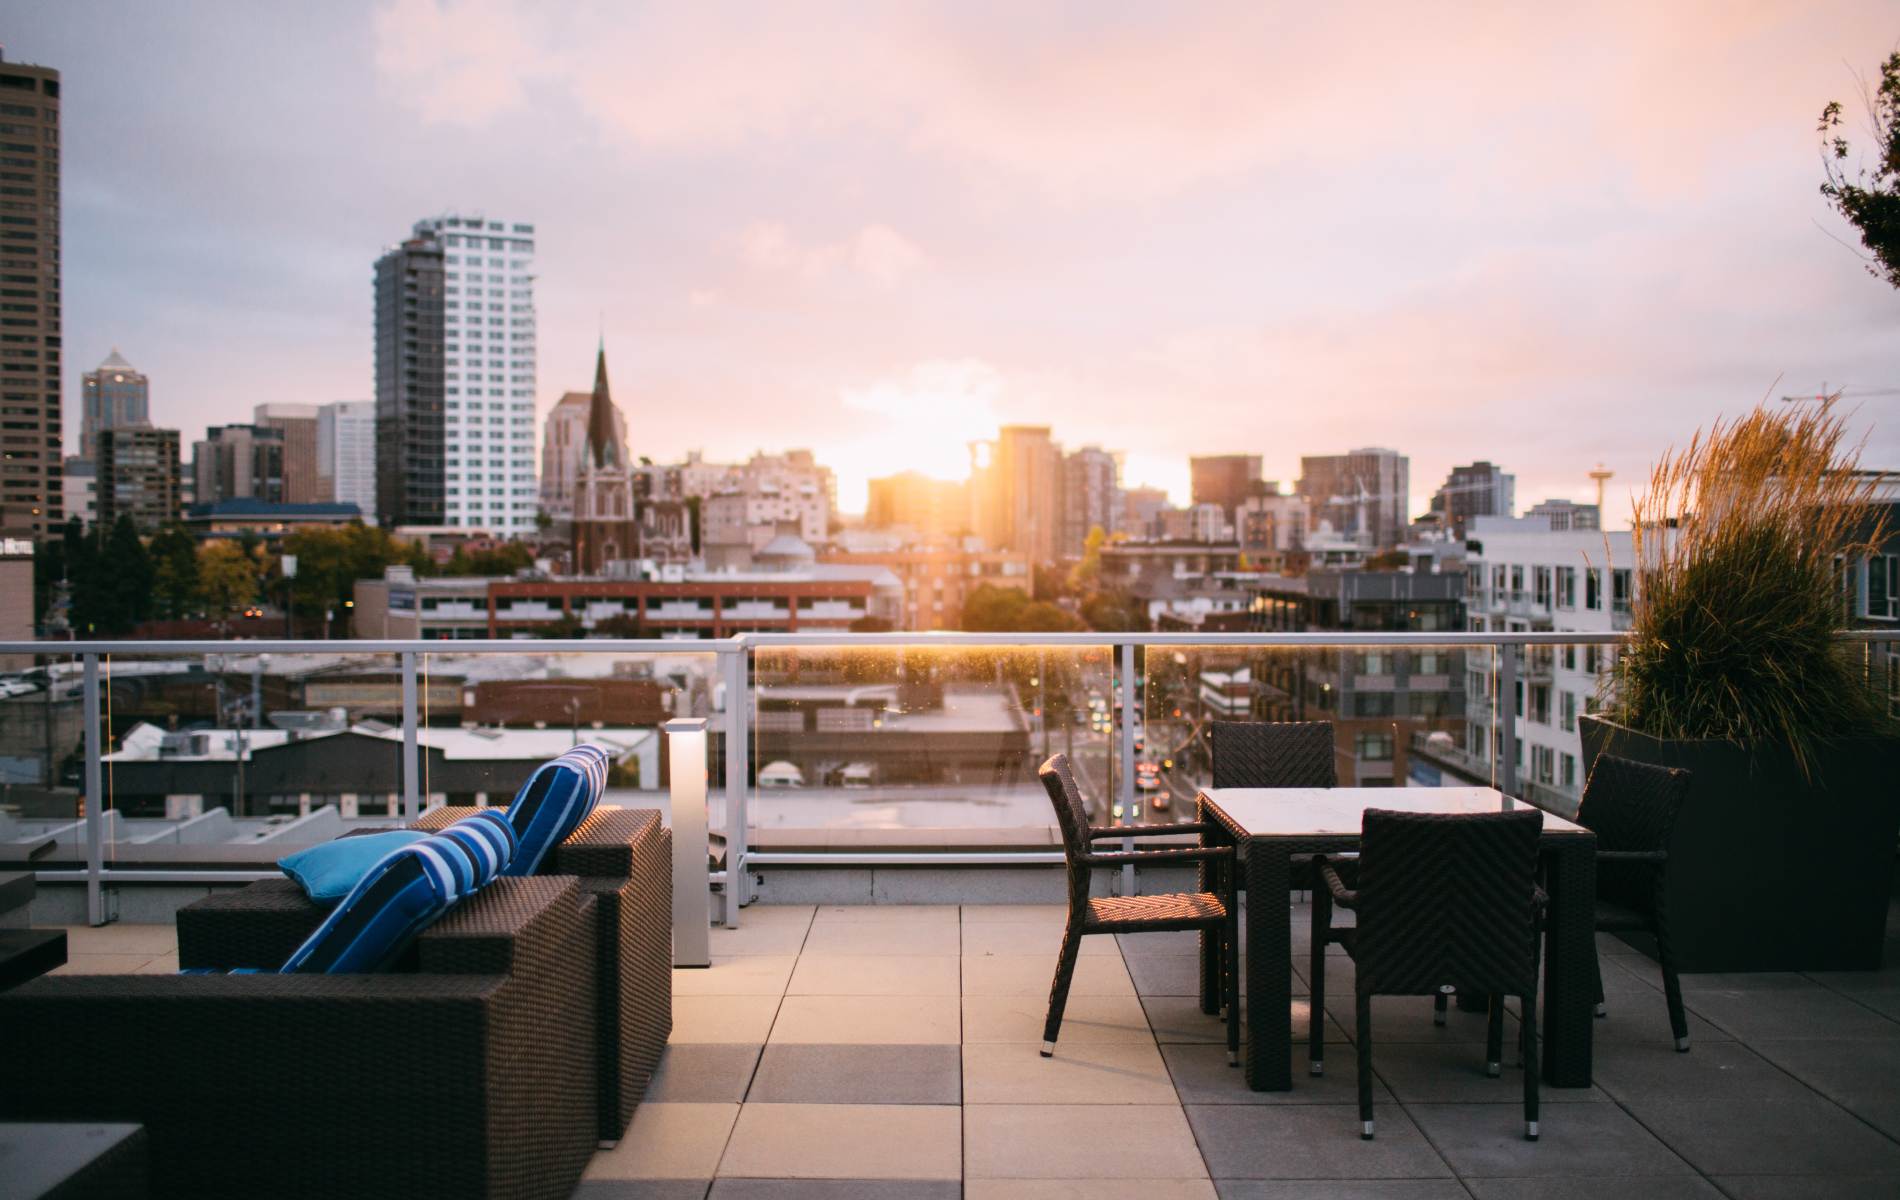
x,y
1570,954
1269,999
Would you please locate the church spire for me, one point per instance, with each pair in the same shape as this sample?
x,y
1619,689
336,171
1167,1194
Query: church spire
x,y
602,448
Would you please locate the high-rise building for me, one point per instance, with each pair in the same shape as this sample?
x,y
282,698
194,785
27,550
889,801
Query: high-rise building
x,y
1091,496
455,374
1480,489
1362,494
1223,479
932,508
303,475
346,454
113,393
138,475
31,495
236,462
1271,523
564,440
1016,491
1139,511
80,485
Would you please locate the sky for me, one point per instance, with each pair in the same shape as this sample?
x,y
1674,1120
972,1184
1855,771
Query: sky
x,y
1547,236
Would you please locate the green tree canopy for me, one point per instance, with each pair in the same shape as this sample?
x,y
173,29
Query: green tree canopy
x,y
228,577
992,609
1868,195
174,572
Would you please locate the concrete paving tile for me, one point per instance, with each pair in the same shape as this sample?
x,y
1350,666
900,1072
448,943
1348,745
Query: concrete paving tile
x,y
1660,1187
1030,974
1805,1011
1080,1073
122,938
641,1189
668,1141
1341,1189
1089,1189
716,1073
701,1019
818,1074
998,937
1176,941
1168,974
1314,1141
845,1141
741,975
1815,1187
103,964
883,937
1768,1137
1015,914
1453,1073
1654,1071
1202,1076
1576,1140
1069,1141
1859,1076
763,930
867,1020
164,964
1084,1019
1180,1019
890,914
875,975
835,1189
1642,1018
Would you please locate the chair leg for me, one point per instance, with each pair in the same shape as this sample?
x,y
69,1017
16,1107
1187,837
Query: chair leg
x,y
1059,990
1672,985
1439,1004
1494,1038
1529,1009
1363,1015
1316,979
1231,960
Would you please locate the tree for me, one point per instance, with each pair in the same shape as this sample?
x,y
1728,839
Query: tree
x,y
1388,560
870,624
330,561
991,609
174,572
1114,612
111,578
1869,197
504,559
1085,573
227,577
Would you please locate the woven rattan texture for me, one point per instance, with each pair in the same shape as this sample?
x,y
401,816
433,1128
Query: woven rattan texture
x,y
405,1084
1136,914
1272,754
1631,806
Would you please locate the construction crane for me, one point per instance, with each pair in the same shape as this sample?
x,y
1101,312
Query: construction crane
x,y
1826,398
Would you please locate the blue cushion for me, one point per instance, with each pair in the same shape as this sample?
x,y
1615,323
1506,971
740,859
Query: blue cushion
x,y
555,800
326,873
403,894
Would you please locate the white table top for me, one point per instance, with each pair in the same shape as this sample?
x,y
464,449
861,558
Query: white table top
x,y
1308,812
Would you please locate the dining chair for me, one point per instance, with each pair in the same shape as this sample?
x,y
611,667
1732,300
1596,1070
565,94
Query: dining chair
x,y
1444,900
1272,754
1632,808
1206,911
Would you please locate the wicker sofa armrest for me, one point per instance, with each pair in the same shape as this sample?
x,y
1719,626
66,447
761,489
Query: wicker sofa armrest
x,y
1336,887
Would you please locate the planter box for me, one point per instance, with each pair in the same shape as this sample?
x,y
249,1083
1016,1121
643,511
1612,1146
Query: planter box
x,y
1767,871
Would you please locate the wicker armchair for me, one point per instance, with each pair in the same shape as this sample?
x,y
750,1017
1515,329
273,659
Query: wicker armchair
x,y
1632,808
1273,754
470,1076
1210,912
1443,901
623,858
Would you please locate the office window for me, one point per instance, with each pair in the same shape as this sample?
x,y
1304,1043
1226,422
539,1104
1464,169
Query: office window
x,y
1372,747
1593,589
1570,712
1540,703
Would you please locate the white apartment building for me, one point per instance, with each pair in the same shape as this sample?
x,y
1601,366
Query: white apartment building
x,y
488,371
752,503
346,453
1523,576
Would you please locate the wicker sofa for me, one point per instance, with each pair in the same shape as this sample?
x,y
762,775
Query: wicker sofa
x,y
457,1077
622,857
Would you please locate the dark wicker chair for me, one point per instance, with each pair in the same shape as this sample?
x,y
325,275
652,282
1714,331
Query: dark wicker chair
x,y
470,1075
1443,901
1208,912
1273,754
623,858
1632,808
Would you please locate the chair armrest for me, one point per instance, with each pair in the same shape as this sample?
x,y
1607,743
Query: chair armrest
x,y
1342,895
1127,831
1540,899
1184,854
1635,856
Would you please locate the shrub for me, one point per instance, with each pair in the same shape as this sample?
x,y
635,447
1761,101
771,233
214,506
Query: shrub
x,y
1740,545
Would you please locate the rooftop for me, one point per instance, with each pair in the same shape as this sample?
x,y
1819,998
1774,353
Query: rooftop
x,y
892,1051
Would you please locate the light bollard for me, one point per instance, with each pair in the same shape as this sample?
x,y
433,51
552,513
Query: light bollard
x,y
692,891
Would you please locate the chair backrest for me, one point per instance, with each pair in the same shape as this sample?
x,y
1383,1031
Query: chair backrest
x,y
1273,754
1447,899
1631,805
1072,817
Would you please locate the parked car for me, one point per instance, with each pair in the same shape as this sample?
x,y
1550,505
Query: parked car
x,y
781,774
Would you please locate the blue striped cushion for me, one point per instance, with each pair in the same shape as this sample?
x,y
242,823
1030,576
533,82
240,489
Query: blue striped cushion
x,y
555,800
404,894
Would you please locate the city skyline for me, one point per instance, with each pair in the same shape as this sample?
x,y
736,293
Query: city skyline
x,y
1181,257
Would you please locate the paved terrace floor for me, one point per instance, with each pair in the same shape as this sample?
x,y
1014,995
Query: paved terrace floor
x,y
892,1053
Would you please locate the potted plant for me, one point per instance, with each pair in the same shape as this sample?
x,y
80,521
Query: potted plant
x,y
1783,855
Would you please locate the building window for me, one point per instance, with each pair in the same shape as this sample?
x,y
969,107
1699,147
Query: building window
x,y
1570,712
1540,703
1540,586
1544,764
1620,590
1567,773
1883,587
1593,589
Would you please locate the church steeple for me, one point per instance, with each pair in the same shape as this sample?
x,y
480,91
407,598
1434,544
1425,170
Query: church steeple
x,y
603,450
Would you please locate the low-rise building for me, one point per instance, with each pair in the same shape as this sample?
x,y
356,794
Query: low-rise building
x,y
265,519
938,578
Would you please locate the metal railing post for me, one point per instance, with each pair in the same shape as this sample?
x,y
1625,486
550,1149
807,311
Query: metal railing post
x,y
1507,718
411,766
1125,756
738,882
95,797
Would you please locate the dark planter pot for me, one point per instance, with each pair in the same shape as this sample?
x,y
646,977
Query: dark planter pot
x,y
1768,871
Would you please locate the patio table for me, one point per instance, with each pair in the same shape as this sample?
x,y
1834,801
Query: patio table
x,y
1273,825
